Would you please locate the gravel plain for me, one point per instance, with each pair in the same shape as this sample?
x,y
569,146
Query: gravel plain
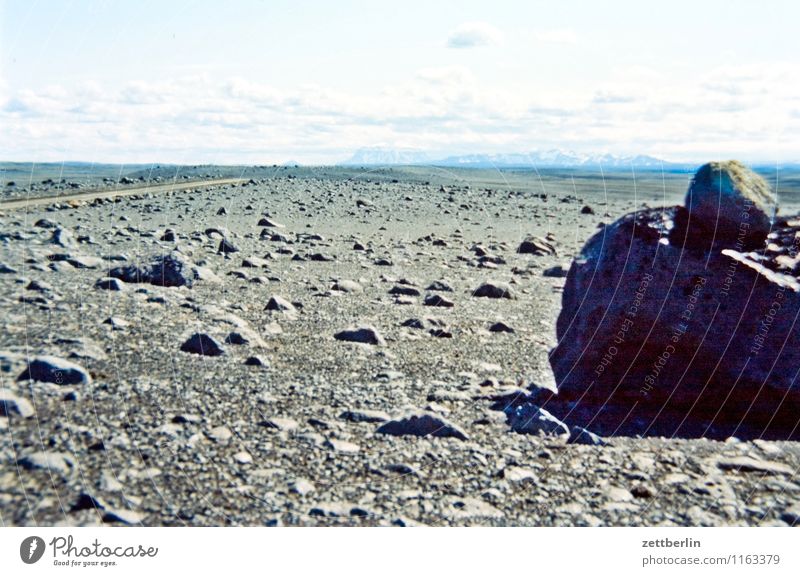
x,y
349,369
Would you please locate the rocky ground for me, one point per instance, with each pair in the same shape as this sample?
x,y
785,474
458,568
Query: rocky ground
x,y
330,355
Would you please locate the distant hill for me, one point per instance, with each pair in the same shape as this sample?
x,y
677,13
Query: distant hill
x,y
539,159
386,157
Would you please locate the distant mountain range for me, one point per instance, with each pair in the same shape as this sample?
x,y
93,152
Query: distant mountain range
x,y
538,159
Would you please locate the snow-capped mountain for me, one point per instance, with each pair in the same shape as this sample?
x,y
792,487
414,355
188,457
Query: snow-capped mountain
x,y
385,157
538,159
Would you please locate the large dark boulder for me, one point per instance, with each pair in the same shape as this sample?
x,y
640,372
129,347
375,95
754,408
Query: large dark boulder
x,y
666,331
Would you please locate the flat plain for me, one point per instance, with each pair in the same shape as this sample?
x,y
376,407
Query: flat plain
x,y
283,426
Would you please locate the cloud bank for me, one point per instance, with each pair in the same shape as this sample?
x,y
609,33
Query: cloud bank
x,y
744,111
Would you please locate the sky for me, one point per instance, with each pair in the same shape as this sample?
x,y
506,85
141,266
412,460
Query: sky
x,y
263,82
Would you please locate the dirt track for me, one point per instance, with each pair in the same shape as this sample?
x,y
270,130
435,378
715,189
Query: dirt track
x,y
113,193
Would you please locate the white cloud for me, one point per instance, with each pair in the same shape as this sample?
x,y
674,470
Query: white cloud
x,y
474,34
200,119
557,36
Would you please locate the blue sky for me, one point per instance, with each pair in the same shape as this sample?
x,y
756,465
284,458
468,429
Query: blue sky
x,y
264,82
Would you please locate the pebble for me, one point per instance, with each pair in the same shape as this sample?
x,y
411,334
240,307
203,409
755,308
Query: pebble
x,y
438,301
282,424
280,304
494,290
748,464
349,286
501,327
530,419
13,405
361,334
221,434
342,446
112,284
373,416
203,344
55,371
59,462
420,423
302,486
257,361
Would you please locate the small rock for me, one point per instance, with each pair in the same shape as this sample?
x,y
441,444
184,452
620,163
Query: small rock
x,y
494,290
55,371
361,334
556,272
257,361
302,486
421,423
226,247
59,462
282,424
373,416
221,434
438,301
123,516
342,446
748,464
280,304
112,284
13,405
347,286
530,419
501,327
578,435
439,286
243,457
203,344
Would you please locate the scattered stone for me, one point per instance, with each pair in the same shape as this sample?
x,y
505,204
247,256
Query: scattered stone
x,y
556,272
373,416
537,246
243,458
55,371
439,286
282,424
13,405
342,446
170,270
404,291
203,344
266,222
438,301
226,247
587,210
578,435
501,327
280,304
123,516
494,290
257,361
58,462
792,515
530,419
302,486
748,464
113,284
63,237
421,423
221,434
361,334
347,286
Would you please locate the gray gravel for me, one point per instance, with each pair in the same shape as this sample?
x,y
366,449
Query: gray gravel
x,y
164,437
